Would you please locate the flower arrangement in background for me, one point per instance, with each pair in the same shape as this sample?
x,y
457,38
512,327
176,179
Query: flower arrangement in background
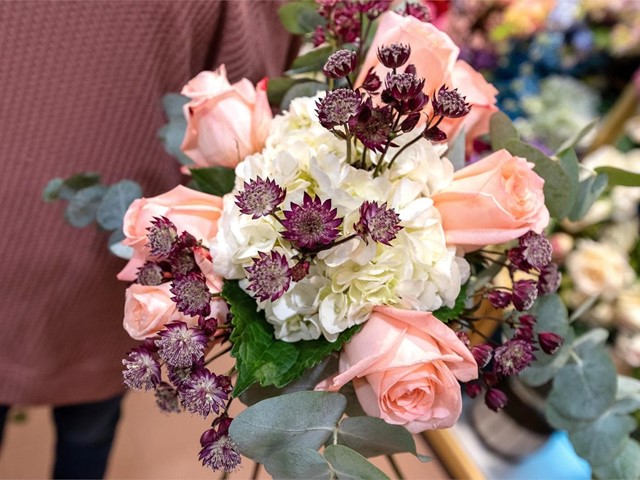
x,y
346,245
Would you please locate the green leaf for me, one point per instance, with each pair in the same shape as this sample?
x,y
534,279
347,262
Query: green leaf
x,y
304,89
584,389
301,419
312,61
558,188
620,177
262,358
296,463
589,191
572,142
569,162
371,437
561,422
51,191
77,182
603,439
501,130
117,248
446,314
83,206
172,133
350,465
214,180
626,464
627,396
115,203
456,151
300,17
278,86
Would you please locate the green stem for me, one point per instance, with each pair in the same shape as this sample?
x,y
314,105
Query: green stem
x,y
346,131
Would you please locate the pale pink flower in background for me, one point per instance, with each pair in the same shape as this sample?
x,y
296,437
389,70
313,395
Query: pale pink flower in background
x,y
494,200
225,122
405,366
189,210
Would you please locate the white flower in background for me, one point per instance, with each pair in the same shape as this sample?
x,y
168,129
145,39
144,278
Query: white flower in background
x,y
623,235
417,271
627,347
628,308
599,269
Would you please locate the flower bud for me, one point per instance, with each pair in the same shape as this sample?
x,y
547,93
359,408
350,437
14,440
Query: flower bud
x,y
499,298
525,293
482,354
495,399
472,389
550,342
394,55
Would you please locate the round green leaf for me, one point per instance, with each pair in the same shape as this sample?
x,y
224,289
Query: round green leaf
x,y
296,463
301,419
82,208
603,439
115,203
625,465
350,465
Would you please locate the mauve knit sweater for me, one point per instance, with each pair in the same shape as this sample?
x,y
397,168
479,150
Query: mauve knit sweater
x,y
80,90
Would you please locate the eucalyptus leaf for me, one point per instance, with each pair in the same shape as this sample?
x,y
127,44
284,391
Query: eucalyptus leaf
x,y
545,367
456,152
593,338
300,17
304,89
558,188
311,61
296,463
589,191
501,130
627,395
172,134
570,164
82,208
573,142
77,182
277,87
214,180
354,409
350,465
601,441
301,419
551,314
625,465
560,421
51,191
115,203
117,248
620,177
585,388
370,437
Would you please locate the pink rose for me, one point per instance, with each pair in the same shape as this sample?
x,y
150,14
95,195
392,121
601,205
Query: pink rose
x,y
147,309
225,122
434,54
494,200
405,366
189,210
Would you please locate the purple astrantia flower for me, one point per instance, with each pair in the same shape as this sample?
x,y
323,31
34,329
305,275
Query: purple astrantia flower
x,y
312,224
495,399
181,346
167,398
340,64
204,392
260,198
482,354
269,276
549,280
178,375
377,222
524,295
417,10
404,86
524,331
550,342
142,370
372,81
183,262
161,237
373,8
219,451
373,127
536,249
499,298
299,271
191,294
150,274
449,103
513,357
338,107
394,55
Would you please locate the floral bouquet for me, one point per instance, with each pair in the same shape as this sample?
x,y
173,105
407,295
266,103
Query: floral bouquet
x,y
345,253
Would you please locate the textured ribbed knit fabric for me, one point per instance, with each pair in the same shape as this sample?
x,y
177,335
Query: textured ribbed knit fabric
x,y
80,90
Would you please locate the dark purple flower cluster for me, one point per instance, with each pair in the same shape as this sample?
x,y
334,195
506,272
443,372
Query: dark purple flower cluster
x,y
219,451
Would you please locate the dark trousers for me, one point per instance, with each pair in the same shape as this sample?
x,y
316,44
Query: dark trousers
x,y
84,436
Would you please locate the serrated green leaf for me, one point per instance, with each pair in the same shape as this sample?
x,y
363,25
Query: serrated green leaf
x,y
371,437
51,191
312,61
172,133
115,203
300,17
296,463
601,441
214,180
262,358
558,189
585,388
589,191
620,177
350,465
625,465
301,419
446,314
82,208
501,130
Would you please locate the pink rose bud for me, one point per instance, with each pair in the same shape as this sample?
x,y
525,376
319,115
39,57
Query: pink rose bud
x,y
550,342
482,354
495,399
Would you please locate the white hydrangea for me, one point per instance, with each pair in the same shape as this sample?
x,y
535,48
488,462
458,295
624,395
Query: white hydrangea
x,y
345,282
